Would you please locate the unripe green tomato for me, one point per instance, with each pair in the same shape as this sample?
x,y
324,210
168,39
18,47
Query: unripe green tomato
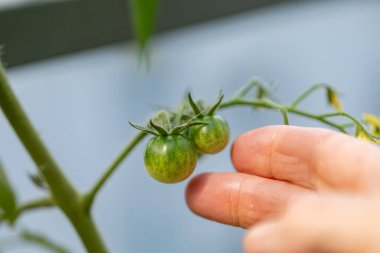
x,y
170,159
213,137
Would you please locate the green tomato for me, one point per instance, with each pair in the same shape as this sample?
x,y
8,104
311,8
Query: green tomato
x,y
213,137
170,159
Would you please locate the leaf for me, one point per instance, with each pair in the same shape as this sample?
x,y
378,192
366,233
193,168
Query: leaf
x,y
215,106
42,241
8,204
193,104
159,129
144,15
143,129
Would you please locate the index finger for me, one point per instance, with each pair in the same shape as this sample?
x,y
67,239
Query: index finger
x,y
311,157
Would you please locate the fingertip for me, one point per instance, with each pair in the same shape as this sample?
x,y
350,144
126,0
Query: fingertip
x,y
251,150
239,149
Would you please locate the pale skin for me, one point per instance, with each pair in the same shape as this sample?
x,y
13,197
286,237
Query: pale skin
x,y
297,190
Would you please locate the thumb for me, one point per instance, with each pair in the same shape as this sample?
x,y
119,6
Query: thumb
x,y
336,224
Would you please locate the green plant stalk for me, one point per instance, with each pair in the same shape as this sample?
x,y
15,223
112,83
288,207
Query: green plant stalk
x,y
356,122
247,87
339,127
63,193
90,196
35,204
308,92
284,113
271,105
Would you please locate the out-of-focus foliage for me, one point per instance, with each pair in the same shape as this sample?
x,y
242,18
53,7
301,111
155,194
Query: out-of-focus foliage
x,y
8,206
143,14
26,237
42,241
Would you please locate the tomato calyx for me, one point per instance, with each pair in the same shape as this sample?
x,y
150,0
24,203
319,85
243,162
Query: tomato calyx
x,y
160,125
198,112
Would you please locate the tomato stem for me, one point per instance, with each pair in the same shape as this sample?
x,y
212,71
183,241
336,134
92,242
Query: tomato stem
x,y
308,92
265,103
284,113
46,202
90,196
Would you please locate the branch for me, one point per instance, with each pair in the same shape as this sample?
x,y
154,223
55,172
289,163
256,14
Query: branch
x,y
35,204
271,105
284,113
64,194
62,190
90,196
32,205
307,93
355,121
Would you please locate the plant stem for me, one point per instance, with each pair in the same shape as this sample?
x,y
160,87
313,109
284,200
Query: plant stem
x,y
284,115
256,102
356,122
318,118
271,105
307,93
35,204
246,88
90,196
63,193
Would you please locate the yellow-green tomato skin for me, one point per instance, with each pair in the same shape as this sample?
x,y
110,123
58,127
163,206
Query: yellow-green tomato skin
x,y
213,137
170,159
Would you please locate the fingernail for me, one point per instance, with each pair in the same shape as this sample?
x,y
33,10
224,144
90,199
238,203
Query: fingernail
x,y
261,239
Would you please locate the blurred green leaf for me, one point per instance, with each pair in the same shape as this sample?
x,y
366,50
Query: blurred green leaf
x,y
8,206
43,241
144,15
25,238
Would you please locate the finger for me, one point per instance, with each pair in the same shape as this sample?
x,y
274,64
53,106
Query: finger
x,y
320,225
239,199
311,157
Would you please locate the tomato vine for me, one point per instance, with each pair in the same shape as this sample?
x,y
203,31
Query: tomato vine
x,y
182,123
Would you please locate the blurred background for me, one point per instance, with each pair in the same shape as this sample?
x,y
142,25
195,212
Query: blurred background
x,y
76,70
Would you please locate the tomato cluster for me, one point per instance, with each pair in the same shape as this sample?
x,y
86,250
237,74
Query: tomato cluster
x,y
172,154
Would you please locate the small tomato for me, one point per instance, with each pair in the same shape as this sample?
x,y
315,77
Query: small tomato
x,y
171,158
210,138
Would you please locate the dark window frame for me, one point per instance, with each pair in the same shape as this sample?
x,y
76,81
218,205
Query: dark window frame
x,y
35,32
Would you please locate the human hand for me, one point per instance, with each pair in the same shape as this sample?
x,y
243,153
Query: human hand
x,y
308,189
